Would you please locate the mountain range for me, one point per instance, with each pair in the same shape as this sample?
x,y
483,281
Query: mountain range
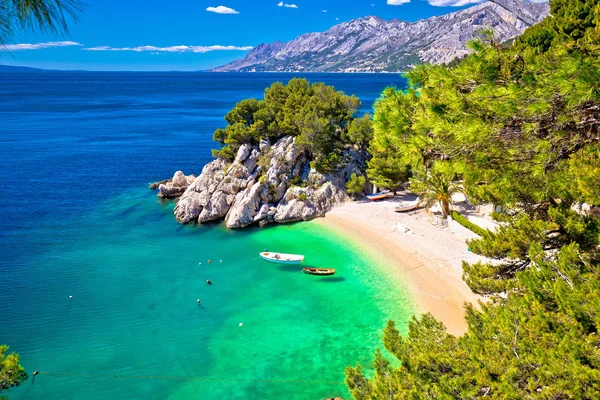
x,y
371,44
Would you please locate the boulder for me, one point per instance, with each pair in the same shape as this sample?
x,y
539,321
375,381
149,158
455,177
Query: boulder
x,y
174,187
179,180
242,193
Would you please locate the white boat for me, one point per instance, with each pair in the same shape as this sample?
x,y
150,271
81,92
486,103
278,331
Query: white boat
x,y
282,258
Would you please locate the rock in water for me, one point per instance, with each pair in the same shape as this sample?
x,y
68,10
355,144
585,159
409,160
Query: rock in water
x,y
179,179
174,187
260,186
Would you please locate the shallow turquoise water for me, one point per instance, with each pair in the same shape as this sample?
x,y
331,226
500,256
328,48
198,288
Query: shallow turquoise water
x,y
135,277
76,153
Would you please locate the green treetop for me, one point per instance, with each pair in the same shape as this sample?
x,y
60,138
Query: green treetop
x,y
322,119
11,372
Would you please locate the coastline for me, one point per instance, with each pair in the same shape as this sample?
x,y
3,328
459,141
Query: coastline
x,y
417,255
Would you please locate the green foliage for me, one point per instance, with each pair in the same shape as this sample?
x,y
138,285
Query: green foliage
x,y
573,22
322,119
302,197
392,148
468,224
11,372
360,131
435,187
521,126
42,15
356,184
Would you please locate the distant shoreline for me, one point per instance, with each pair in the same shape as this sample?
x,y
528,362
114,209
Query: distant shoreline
x,y
25,69
427,261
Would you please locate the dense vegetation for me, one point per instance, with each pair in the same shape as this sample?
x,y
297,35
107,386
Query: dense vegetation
x,y
520,125
11,372
323,120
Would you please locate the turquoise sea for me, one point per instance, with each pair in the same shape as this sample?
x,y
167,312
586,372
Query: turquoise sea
x,y
77,152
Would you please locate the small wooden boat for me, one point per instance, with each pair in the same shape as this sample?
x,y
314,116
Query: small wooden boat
x,y
282,258
319,271
379,196
407,207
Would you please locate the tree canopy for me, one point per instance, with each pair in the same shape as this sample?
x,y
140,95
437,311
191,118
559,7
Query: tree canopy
x,y
322,119
11,372
520,125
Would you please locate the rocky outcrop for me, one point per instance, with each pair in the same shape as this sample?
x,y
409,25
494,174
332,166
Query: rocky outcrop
x,y
174,187
373,44
265,184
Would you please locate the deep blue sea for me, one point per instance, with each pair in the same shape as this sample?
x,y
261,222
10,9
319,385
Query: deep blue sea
x,y
77,151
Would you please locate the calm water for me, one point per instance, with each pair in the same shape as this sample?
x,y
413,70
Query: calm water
x,y
77,151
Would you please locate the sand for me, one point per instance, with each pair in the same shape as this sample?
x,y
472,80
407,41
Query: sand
x,y
426,257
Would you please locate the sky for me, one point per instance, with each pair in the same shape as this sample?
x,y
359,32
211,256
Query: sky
x,y
191,35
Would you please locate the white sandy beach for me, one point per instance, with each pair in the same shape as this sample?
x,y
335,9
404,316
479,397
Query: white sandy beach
x,y
428,257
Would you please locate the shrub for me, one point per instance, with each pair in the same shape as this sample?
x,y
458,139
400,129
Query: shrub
x,y
356,184
468,224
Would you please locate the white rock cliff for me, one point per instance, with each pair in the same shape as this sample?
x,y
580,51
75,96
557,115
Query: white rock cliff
x,y
265,184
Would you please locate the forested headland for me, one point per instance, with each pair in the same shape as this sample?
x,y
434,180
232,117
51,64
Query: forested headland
x,y
518,125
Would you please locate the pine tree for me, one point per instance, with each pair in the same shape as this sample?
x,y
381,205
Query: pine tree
x,y
520,125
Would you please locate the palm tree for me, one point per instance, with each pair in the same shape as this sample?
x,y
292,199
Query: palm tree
x,y
435,188
42,15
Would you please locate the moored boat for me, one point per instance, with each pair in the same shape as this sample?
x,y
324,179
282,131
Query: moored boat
x,y
319,271
379,196
282,258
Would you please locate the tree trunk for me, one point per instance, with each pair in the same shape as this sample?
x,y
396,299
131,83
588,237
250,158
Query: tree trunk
x,y
445,209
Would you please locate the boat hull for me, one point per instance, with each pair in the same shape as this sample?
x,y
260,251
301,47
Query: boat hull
x,y
379,196
319,271
281,258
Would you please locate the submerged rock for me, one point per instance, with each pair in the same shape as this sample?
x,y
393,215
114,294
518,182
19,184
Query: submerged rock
x,y
268,183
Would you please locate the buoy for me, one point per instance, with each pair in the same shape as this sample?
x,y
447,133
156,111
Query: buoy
x,y
70,297
198,301
199,263
208,282
241,324
209,261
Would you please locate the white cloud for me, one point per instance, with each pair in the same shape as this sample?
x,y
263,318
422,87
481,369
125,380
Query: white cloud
x,y
282,4
37,46
323,10
222,10
398,2
171,49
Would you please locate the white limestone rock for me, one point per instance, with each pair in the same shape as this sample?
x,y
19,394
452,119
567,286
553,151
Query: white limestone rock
x,y
242,194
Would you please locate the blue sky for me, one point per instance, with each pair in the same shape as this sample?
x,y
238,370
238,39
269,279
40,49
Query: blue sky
x,y
211,33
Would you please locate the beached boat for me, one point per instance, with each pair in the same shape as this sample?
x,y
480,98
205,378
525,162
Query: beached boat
x,y
282,258
407,207
379,196
319,271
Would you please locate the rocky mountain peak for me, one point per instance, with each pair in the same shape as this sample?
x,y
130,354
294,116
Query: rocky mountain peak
x,y
373,44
